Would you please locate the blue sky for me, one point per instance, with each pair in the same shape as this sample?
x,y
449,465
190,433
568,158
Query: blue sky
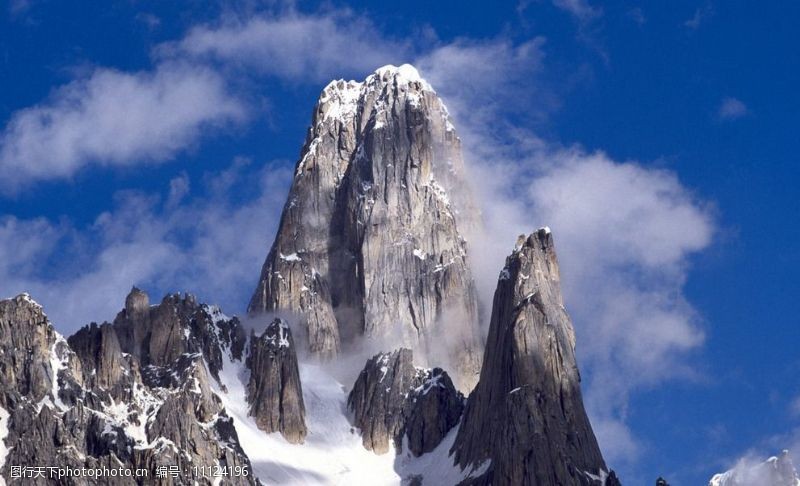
x,y
152,143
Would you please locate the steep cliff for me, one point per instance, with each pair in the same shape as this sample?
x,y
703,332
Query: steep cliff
x,y
526,416
273,391
370,240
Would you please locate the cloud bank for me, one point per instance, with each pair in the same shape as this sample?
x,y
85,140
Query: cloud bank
x,y
114,118
293,46
211,244
624,232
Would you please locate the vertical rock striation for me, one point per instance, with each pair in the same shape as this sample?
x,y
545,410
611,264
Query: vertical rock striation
x,y
526,414
370,240
274,392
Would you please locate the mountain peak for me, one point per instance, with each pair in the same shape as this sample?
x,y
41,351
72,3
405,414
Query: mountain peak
x,y
26,299
526,414
404,73
356,256
775,471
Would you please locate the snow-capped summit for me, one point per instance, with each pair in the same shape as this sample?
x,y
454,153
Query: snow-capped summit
x,y
405,73
374,223
775,471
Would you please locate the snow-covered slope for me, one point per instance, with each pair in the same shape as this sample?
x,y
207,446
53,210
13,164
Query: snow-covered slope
x,y
332,452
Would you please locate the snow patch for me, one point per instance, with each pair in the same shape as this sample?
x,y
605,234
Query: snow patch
x,y
332,452
56,365
437,467
4,416
216,314
292,257
404,74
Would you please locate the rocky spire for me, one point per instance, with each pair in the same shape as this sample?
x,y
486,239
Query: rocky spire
x,y
526,414
370,239
393,400
87,402
274,392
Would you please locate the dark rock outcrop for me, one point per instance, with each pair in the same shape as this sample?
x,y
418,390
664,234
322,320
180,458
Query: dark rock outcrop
x,y
370,240
274,392
88,402
526,414
393,399
435,408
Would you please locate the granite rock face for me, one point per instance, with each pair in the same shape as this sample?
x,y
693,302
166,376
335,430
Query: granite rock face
x,y
133,394
392,400
526,414
370,241
274,392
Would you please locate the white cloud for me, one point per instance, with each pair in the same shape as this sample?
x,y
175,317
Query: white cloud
x,y
484,77
580,9
753,469
211,245
114,118
293,46
732,109
701,14
624,232
637,15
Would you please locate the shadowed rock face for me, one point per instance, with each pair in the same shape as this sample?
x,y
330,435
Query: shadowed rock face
x,y
274,392
393,399
526,414
370,240
89,402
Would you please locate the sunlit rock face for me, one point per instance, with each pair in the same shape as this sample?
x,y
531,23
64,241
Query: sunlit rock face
x,y
273,391
526,417
370,243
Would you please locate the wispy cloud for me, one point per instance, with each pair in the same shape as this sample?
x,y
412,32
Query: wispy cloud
x,y
732,109
114,118
701,14
580,9
637,15
208,243
294,46
624,232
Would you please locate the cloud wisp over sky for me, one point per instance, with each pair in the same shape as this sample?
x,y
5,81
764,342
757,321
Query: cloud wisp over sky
x,y
628,229
115,118
731,109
